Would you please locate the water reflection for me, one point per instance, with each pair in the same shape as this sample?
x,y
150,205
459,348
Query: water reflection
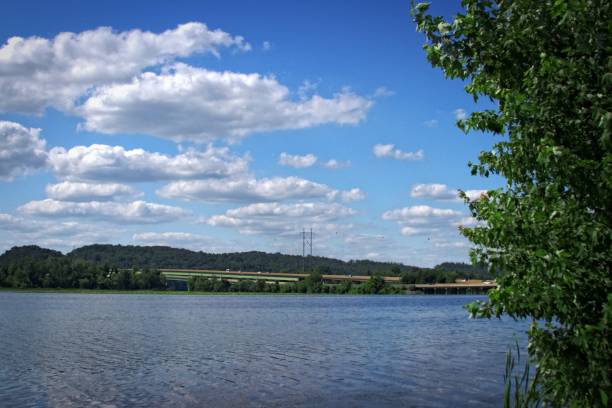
x,y
61,350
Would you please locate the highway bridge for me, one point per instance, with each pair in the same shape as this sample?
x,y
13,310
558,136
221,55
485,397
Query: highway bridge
x,y
281,277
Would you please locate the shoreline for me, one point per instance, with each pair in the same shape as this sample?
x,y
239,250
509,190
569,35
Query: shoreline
x,y
180,292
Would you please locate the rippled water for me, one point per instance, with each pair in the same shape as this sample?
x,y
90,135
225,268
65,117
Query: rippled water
x,y
62,350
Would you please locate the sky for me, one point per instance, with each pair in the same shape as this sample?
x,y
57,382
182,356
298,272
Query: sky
x,y
232,126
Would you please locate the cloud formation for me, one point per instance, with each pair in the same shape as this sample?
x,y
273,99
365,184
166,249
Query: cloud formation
x,y
246,189
437,191
36,72
135,212
353,194
21,150
425,220
77,191
336,164
188,103
390,151
460,114
115,163
297,161
276,218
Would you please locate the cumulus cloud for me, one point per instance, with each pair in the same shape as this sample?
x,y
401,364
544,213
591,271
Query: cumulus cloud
x,y
21,150
115,163
438,191
61,235
276,218
389,150
297,161
425,220
78,191
419,211
136,212
353,194
432,123
460,114
335,164
434,191
163,238
188,103
36,72
382,91
247,189
195,242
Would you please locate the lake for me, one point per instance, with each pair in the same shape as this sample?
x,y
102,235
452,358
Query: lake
x,y
64,350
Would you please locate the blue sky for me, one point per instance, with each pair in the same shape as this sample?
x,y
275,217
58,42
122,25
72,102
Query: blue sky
x,y
223,127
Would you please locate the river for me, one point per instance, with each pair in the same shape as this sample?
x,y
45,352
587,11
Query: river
x,y
73,350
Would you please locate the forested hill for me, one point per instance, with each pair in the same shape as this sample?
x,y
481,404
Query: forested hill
x,y
31,253
167,257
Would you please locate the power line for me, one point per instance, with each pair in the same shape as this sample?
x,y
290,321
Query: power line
x,y
306,245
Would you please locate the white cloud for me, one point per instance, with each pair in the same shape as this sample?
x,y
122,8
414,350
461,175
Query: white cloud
x,y
389,150
419,211
50,233
188,103
195,242
451,244
475,194
21,150
335,164
425,220
76,191
307,89
247,189
114,163
437,191
11,223
36,72
353,194
432,123
460,114
364,238
275,218
266,46
434,191
297,161
382,91
162,238
137,212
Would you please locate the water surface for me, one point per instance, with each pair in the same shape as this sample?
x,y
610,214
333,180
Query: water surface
x,y
71,350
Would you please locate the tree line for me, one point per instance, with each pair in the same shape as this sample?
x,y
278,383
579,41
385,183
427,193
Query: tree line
x,y
312,284
128,256
35,267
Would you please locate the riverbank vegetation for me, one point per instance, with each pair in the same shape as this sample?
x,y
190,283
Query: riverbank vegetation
x,y
128,256
313,284
545,68
35,267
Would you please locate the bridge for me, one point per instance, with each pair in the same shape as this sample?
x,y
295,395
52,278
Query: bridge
x,y
282,277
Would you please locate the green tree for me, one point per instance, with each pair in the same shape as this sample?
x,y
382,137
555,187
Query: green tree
x,y
547,67
374,285
314,281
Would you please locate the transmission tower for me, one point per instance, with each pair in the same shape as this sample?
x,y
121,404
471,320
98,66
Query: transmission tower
x,y
306,248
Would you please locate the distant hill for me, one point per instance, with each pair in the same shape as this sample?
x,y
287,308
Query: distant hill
x,y
128,256
28,252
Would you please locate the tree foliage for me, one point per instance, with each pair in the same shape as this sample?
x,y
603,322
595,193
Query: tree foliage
x,y
128,256
547,67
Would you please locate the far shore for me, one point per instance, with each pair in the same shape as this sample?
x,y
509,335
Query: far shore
x,y
180,292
